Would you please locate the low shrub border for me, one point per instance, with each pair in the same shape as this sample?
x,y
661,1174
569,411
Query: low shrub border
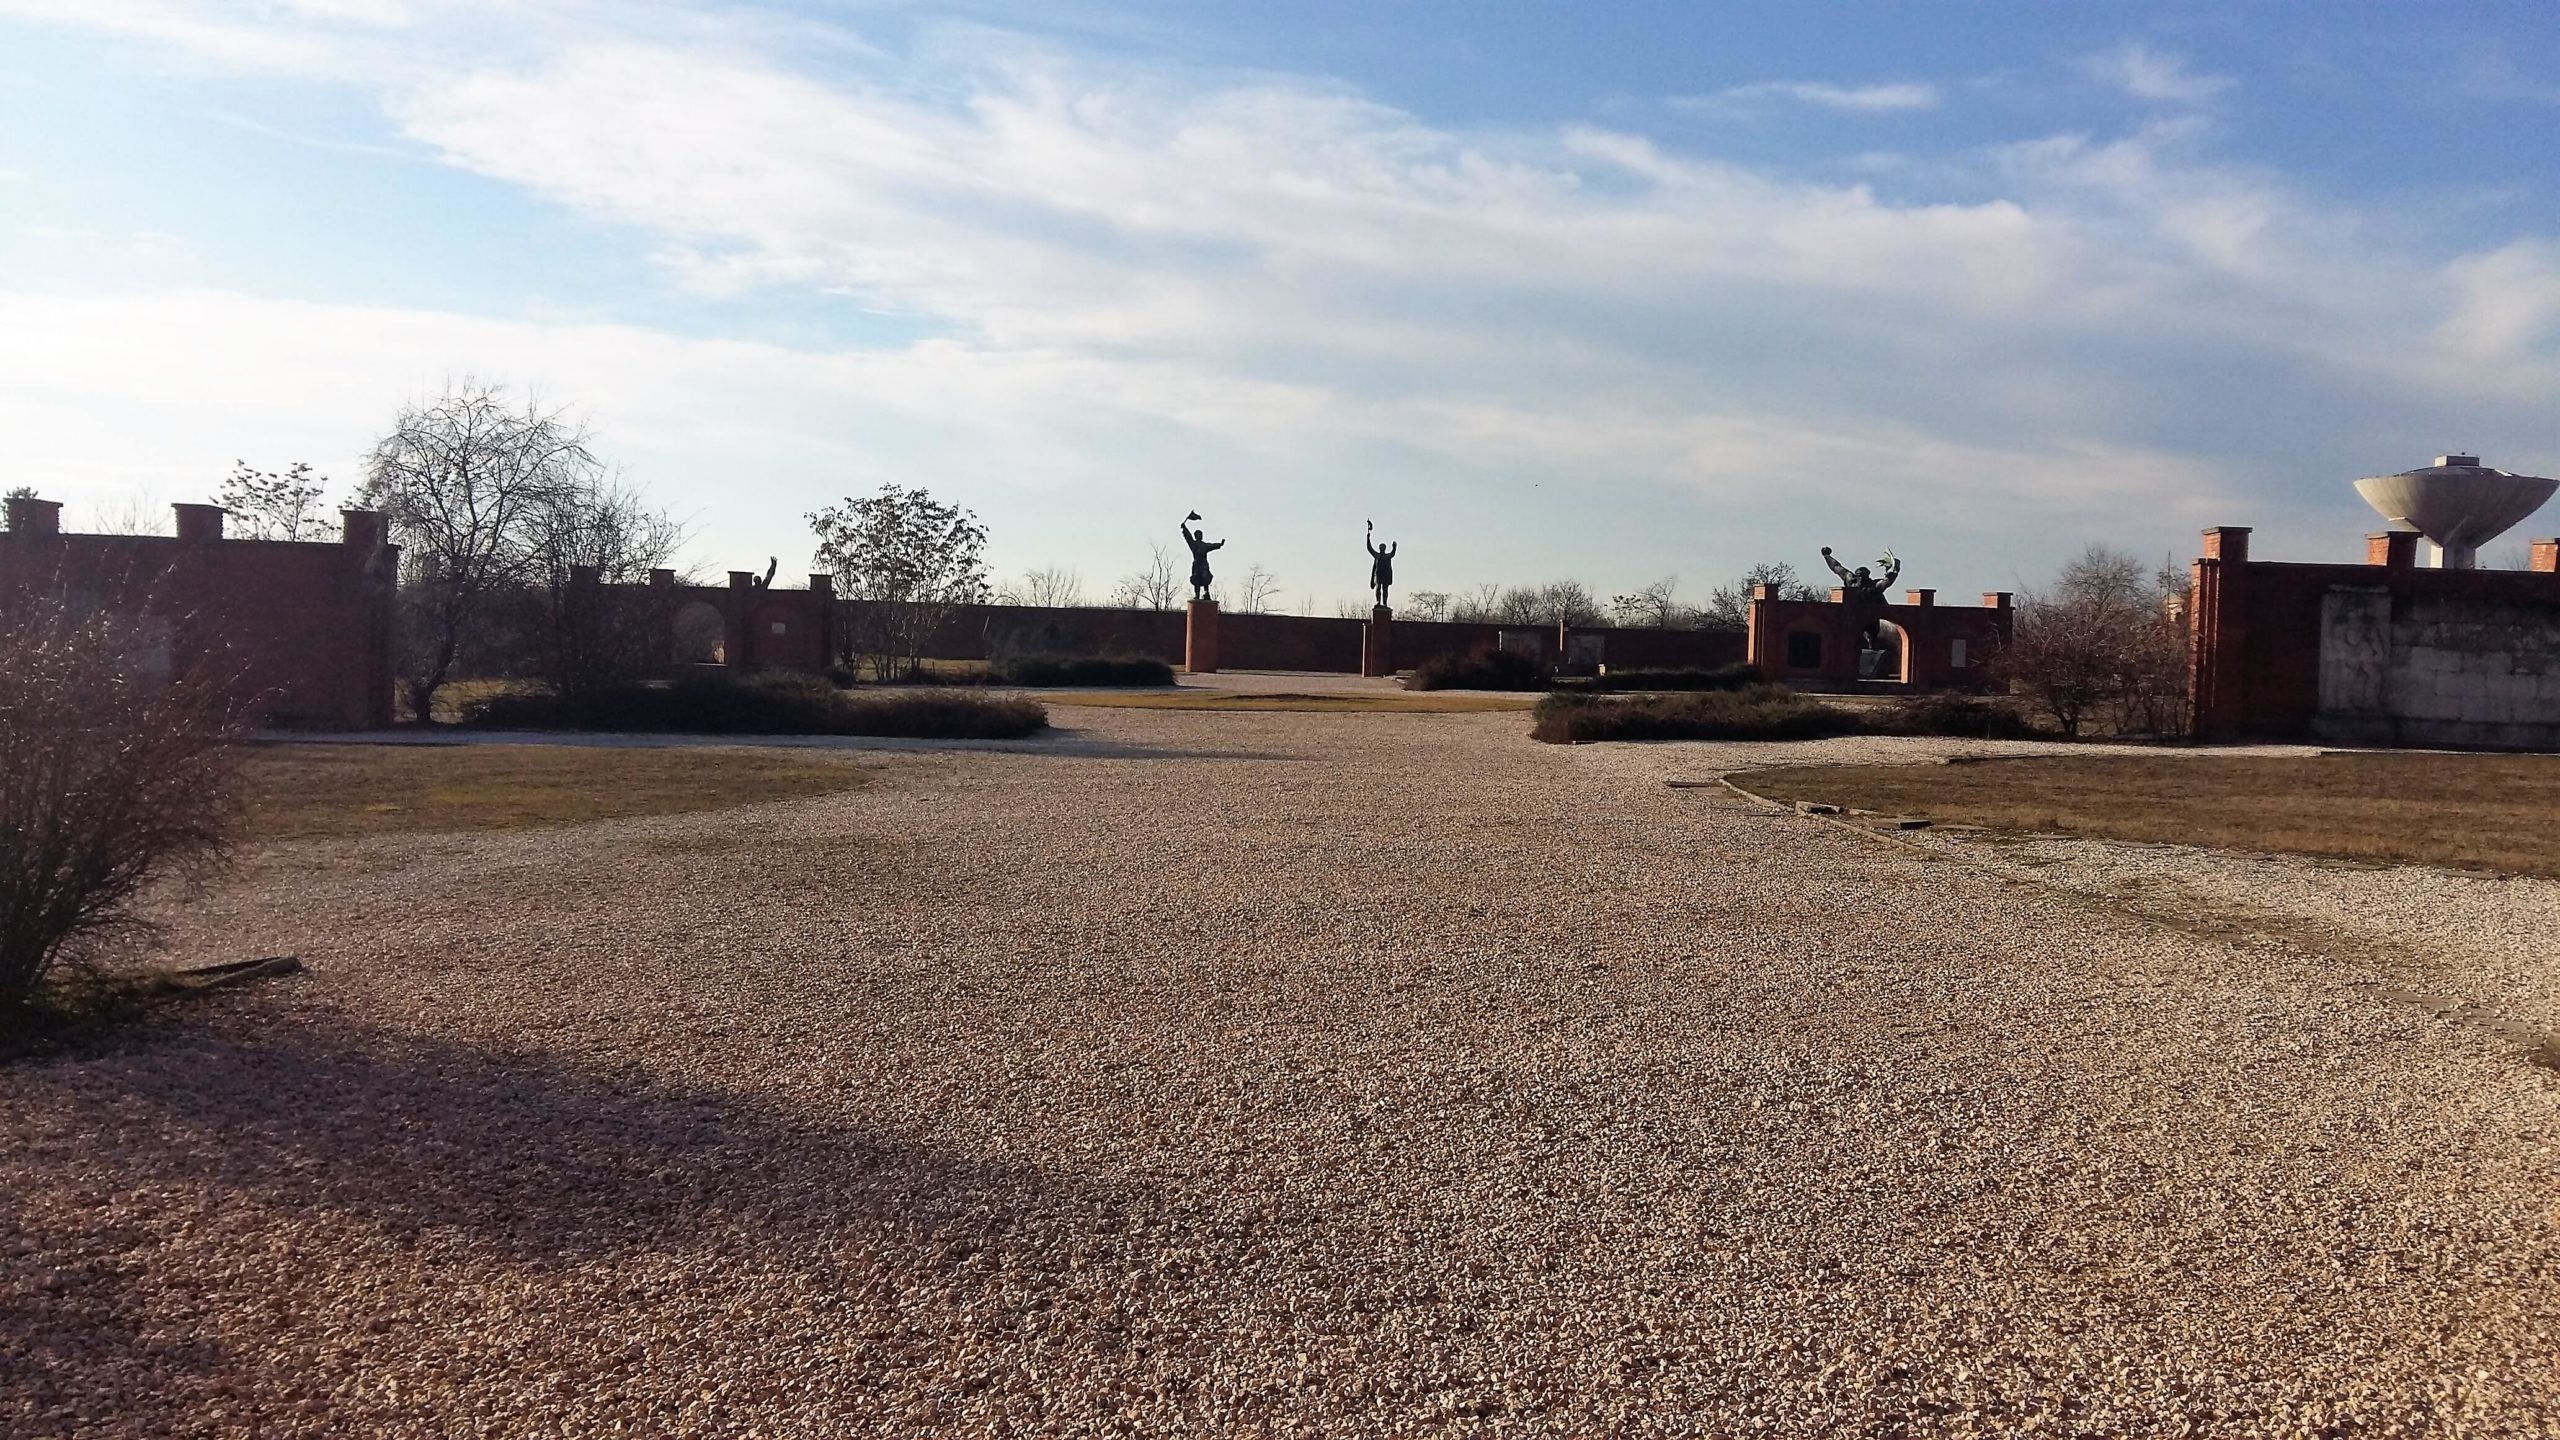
x,y
1722,677
1480,670
767,704
1083,671
1764,712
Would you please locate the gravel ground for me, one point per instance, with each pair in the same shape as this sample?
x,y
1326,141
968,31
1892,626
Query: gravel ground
x,y
1267,1074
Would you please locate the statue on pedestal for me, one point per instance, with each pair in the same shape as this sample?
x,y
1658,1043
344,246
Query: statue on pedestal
x,y
1864,590
1382,564
1200,545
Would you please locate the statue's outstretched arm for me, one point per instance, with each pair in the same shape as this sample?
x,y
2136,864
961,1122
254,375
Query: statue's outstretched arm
x,y
1892,573
1219,545
1834,562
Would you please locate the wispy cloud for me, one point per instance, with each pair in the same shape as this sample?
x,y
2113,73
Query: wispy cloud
x,y
1135,274
1853,99
2156,75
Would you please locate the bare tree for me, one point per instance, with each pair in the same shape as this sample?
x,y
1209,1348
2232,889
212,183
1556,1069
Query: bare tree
x,y
1654,606
130,515
271,506
913,559
1427,605
2105,640
1478,606
113,783
592,534
466,479
1728,607
1560,602
1056,587
1259,589
1158,587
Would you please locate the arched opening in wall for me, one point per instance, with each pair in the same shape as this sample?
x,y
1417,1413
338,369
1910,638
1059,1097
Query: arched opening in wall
x,y
701,634
1889,659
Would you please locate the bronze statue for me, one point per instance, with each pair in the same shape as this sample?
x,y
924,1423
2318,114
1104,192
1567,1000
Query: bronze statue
x,y
1864,589
1200,545
1860,586
1382,564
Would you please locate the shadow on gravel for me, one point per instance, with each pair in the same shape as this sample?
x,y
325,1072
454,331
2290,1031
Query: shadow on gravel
x,y
451,1151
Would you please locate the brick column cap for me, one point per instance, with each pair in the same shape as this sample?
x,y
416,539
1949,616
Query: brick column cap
x,y
2227,542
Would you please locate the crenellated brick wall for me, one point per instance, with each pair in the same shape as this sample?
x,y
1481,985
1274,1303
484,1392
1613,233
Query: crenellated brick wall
x,y
304,625
1815,643
2386,652
1322,643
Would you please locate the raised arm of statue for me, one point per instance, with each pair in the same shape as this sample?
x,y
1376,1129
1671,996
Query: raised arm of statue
x,y
1892,571
1836,567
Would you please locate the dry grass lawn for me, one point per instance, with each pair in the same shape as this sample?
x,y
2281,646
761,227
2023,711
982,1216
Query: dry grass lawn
x,y
1423,703
300,792
2484,812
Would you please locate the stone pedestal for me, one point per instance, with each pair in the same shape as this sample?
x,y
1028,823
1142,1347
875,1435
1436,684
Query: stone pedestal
x,y
1200,638
1377,644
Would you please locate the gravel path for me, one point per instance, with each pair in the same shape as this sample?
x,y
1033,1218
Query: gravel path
x,y
1270,1074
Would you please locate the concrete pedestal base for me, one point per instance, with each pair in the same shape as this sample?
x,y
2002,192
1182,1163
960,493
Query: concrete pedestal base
x,y
1377,644
1200,638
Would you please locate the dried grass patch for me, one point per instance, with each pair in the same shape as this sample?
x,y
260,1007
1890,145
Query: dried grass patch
x,y
2482,812
301,792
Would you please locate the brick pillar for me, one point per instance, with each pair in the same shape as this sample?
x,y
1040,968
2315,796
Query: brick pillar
x,y
365,530
2546,556
822,598
1200,638
2392,549
34,518
2217,630
1998,599
1919,597
1377,644
2227,542
1759,630
199,524
737,637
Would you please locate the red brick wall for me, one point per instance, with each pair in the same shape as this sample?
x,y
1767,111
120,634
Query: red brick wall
x,y
2254,627
305,625
1321,643
1929,632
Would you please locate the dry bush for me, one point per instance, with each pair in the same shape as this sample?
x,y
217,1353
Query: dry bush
x,y
2106,641
1755,712
119,773
1488,669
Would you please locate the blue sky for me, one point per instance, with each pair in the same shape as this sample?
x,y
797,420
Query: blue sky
x,y
1609,292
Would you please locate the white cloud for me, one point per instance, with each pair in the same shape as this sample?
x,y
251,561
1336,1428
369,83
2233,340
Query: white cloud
x,y
1854,99
1277,293
2156,75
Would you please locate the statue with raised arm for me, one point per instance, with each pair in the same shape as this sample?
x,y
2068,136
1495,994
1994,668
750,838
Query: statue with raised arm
x,y
1865,590
1862,586
1382,564
1201,545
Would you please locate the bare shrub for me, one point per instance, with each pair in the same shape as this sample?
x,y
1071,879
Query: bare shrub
x,y
2106,641
117,776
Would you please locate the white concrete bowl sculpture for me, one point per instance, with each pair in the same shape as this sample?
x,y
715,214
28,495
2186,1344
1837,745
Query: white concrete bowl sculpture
x,y
2458,503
